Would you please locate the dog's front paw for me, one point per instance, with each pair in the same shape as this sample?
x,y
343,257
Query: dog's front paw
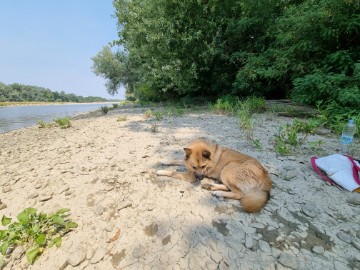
x,y
216,193
164,173
207,186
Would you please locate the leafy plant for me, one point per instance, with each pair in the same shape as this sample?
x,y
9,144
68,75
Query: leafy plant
x,y
115,105
104,109
154,128
316,146
34,231
149,113
257,144
158,116
63,122
293,135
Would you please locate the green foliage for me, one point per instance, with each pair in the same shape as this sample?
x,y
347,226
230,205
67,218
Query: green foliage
x,y
26,93
335,117
307,50
43,124
112,67
63,122
291,136
35,231
104,109
227,104
257,144
149,113
244,110
60,122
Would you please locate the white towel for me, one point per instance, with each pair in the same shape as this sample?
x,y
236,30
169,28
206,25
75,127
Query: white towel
x,y
339,168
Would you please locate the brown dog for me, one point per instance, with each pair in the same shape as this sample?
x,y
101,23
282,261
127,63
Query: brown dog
x,y
240,177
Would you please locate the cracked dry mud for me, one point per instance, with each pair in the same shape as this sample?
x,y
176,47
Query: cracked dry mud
x,y
129,218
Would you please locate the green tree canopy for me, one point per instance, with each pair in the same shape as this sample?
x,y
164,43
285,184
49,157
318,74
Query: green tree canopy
x,y
308,50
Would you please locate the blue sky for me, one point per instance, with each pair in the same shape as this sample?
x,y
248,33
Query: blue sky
x,y
50,43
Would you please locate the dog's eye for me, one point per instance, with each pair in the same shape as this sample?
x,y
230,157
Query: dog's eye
x,y
194,167
203,166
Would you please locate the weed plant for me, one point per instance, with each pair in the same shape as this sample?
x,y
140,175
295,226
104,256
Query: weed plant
x,y
35,232
149,113
104,109
154,128
291,136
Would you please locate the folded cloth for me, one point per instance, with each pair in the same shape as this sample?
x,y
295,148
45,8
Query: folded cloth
x,y
340,169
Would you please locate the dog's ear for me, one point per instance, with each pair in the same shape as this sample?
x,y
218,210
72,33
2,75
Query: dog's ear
x,y
188,152
206,154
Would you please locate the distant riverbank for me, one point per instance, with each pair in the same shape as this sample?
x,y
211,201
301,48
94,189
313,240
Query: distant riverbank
x,y
30,103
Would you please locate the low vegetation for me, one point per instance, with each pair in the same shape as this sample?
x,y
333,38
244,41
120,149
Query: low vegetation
x,y
104,109
34,232
59,122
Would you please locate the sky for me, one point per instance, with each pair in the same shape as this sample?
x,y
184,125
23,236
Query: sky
x,y
50,44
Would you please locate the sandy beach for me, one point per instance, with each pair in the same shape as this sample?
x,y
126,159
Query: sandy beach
x,y
104,169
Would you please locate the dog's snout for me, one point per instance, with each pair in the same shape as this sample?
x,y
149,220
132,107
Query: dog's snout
x,y
199,176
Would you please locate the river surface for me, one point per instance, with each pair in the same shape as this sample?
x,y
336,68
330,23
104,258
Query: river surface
x,y
14,117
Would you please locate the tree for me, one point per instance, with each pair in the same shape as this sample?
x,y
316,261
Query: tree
x,y
111,66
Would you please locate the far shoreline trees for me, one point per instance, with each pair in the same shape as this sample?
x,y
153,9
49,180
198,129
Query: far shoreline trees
x,y
25,93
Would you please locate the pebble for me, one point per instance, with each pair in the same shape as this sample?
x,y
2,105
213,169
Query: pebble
x,y
6,189
356,243
249,241
354,199
45,197
310,210
344,237
33,195
18,252
290,174
264,247
98,255
258,225
289,260
77,256
318,250
2,206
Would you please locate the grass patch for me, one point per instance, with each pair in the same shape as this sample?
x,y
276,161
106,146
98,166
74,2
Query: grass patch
x,y
291,136
60,122
63,122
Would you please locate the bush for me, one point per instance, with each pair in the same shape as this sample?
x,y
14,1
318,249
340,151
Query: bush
x,y
104,109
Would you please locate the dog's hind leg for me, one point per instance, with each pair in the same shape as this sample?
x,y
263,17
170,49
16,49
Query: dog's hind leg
x,y
228,194
215,187
172,163
185,176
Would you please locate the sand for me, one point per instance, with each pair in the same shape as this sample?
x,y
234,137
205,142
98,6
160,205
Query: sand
x,y
103,169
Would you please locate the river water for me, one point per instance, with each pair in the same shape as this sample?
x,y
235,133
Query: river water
x,y
14,117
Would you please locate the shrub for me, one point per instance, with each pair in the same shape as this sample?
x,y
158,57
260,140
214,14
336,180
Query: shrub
x,y
104,109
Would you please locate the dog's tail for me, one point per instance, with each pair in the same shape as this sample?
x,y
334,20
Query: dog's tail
x,y
254,200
